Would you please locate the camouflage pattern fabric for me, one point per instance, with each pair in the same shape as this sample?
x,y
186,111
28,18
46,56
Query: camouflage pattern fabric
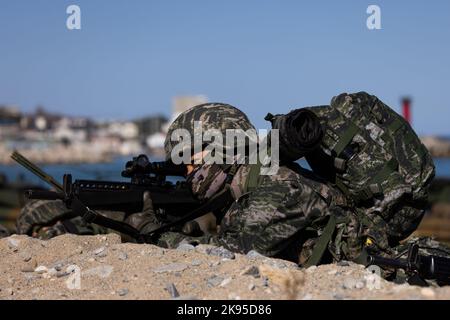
x,y
11,200
207,180
213,116
276,218
47,219
8,217
373,155
3,232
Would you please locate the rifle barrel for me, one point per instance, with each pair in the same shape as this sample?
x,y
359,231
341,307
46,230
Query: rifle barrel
x,y
27,164
386,262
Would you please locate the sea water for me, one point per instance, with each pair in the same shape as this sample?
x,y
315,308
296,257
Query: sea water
x,y
112,171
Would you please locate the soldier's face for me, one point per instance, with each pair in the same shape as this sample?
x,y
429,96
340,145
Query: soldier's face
x,y
196,157
189,169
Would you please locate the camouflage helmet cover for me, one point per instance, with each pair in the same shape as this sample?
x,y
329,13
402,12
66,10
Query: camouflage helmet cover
x,y
212,116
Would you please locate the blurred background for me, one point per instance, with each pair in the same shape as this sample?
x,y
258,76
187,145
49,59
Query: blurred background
x,y
85,100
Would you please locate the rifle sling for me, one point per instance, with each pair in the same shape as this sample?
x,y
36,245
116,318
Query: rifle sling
x,y
91,216
322,242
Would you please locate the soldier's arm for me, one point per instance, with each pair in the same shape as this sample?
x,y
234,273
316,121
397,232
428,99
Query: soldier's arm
x,y
265,220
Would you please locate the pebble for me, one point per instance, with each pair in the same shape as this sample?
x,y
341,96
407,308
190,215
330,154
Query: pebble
x,y
100,252
214,281
185,247
26,256
61,274
30,266
225,282
251,271
332,272
173,267
221,252
9,292
13,243
343,263
30,277
101,271
307,297
41,269
203,248
196,262
360,284
122,256
59,266
172,290
276,263
52,272
349,284
234,296
427,292
253,254
251,286
78,250
123,292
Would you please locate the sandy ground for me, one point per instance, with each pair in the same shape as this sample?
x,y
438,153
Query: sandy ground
x,y
100,267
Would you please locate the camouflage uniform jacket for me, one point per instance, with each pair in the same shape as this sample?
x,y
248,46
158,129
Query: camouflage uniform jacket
x,y
273,218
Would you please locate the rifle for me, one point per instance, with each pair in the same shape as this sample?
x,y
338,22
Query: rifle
x,y
83,197
417,267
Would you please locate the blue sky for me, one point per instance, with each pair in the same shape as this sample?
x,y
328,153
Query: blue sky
x,y
131,57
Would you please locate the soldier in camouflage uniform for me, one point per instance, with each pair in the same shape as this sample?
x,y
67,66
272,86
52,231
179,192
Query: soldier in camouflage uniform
x,y
270,216
285,215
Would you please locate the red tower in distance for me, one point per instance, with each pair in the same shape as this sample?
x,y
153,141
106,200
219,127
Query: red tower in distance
x,y
406,106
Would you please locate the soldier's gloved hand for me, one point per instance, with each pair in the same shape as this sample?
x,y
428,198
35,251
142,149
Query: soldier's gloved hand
x,y
146,220
40,213
46,233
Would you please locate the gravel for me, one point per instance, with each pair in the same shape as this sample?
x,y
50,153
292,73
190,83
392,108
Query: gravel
x,y
141,271
220,252
214,281
172,290
173,267
123,292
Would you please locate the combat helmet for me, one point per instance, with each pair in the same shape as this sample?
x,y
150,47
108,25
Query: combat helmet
x,y
209,116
